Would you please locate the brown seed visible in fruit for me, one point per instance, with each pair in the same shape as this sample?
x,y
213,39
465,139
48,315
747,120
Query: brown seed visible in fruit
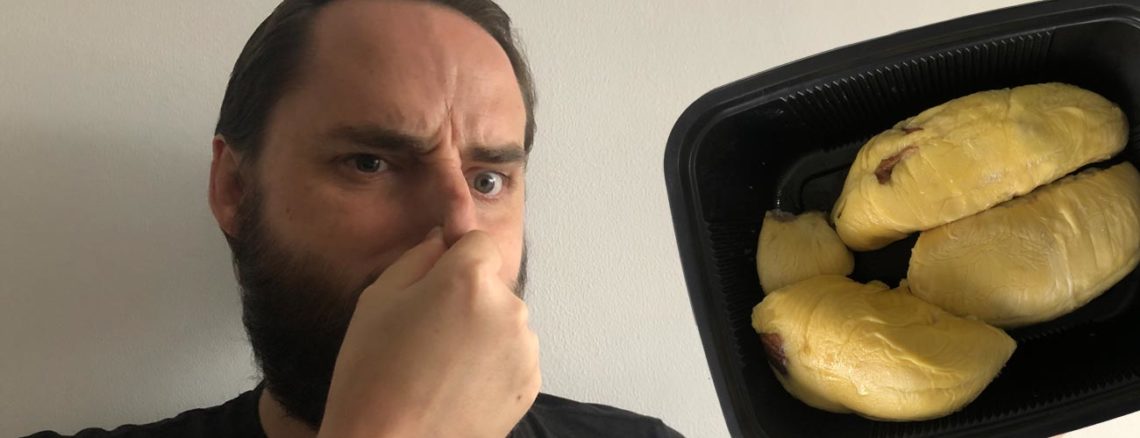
x,y
883,172
909,130
774,346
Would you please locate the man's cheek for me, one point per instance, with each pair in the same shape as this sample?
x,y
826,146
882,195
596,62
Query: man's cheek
x,y
356,240
511,248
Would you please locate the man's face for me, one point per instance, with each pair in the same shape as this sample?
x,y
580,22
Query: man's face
x,y
404,116
398,123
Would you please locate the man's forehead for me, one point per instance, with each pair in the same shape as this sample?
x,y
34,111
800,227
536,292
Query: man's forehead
x,y
410,64
385,32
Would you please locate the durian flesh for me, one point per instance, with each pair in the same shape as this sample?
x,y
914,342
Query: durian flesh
x,y
969,154
794,248
1036,257
843,346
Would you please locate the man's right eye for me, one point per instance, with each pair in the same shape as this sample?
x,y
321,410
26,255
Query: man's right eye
x,y
368,163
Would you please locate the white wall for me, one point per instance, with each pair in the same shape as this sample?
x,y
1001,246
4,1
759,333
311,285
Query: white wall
x,y
117,302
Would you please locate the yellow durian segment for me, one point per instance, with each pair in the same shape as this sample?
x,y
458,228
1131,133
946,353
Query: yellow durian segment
x,y
969,154
1036,257
844,346
798,247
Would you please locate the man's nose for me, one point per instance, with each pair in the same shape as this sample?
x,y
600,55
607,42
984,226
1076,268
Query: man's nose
x,y
453,203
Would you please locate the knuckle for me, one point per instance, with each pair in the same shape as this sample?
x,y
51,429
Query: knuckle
x,y
465,275
473,261
472,277
478,238
480,243
466,259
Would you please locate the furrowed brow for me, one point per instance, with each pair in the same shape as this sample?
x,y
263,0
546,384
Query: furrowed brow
x,y
393,141
505,154
381,138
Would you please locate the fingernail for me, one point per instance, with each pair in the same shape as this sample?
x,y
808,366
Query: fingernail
x,y
435,233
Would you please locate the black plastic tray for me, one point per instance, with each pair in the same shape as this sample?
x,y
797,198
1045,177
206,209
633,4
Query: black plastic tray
x,y
785,138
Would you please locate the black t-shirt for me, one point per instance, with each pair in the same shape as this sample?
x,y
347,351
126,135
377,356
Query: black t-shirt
x,y
549,417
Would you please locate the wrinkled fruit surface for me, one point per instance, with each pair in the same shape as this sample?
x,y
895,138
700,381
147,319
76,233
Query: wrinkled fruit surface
x,y
969,154
844,346
1036,257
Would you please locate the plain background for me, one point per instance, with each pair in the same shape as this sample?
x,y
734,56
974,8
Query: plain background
x,y
117,301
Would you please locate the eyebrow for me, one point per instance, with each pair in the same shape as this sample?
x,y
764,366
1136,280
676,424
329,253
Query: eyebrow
x,y
508,154
377,137
393,141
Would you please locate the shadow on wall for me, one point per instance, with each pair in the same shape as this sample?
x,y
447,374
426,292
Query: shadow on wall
x,y
115,283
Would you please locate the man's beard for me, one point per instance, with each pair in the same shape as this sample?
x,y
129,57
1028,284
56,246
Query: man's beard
x,y
296,307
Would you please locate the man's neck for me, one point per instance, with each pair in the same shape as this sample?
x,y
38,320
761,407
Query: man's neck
x,y
276,423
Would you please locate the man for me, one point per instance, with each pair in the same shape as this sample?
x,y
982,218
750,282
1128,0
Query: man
x,y
369,175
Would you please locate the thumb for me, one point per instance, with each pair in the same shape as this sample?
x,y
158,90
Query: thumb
x,y
415,263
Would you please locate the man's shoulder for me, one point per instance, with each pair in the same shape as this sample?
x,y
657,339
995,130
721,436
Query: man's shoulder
x,y
553,416
549,417
235,418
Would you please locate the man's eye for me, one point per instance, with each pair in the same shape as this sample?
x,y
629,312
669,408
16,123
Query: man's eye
x,y
488,183
368,164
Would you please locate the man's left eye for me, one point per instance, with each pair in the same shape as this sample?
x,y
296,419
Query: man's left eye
x,y
369,163
488,183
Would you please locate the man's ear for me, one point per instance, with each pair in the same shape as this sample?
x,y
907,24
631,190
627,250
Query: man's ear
x,y
226,186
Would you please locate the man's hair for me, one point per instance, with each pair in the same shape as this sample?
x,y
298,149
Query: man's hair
x,y
269,63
